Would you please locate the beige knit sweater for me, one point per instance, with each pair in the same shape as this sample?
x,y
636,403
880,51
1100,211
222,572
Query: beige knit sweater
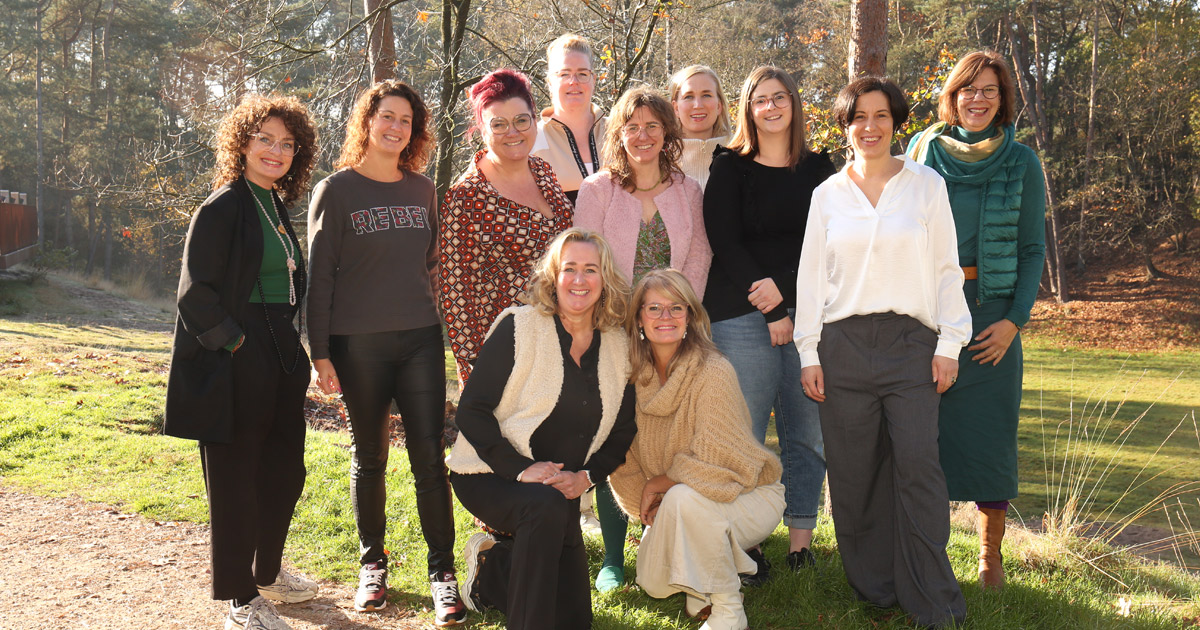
x,y
695,429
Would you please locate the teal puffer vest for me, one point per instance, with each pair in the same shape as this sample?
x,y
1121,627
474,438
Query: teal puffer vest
x,y
1000,178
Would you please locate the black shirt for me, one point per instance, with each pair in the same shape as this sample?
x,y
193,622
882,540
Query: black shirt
x,y
755,217
566,434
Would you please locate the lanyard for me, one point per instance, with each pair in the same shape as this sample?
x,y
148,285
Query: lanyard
x,y
583,172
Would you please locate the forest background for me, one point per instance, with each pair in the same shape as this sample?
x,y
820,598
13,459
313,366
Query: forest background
x,y
132,90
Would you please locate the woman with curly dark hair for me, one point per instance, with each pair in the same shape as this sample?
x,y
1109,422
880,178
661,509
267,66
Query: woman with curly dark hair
x,y
238,372
374,328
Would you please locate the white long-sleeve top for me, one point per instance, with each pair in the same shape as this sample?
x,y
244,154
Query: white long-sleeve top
x,y
899,256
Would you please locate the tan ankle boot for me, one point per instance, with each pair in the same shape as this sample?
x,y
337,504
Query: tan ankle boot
x,y
991,561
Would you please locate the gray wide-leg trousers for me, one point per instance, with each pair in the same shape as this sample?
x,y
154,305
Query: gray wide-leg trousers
x,y
887,492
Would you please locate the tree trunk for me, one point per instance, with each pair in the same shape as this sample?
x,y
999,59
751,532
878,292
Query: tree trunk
x,y
381,42
868,38
1033,97
108,243
454,24
1089,160
93,237
41,220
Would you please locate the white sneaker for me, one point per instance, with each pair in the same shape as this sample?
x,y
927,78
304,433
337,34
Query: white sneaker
x,y
587,513
289,589
478,543
259,614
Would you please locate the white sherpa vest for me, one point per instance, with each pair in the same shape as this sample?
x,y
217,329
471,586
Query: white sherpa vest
x,y
534,387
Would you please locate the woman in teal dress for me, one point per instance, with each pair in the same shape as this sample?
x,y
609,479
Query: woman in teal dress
x,y
998,196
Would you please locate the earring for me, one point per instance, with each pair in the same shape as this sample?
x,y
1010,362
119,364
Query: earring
x,y
641,333
685,333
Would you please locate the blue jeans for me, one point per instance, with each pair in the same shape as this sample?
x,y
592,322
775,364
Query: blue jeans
x,y
770,378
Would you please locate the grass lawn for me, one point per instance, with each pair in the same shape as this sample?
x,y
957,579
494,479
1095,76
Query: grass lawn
x,y
82,407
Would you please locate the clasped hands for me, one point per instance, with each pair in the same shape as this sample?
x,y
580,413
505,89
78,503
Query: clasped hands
x,y
570,484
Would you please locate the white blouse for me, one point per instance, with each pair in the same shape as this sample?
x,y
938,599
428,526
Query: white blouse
x,y
899,256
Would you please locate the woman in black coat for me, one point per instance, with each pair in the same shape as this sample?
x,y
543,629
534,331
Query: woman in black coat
x,y
238,372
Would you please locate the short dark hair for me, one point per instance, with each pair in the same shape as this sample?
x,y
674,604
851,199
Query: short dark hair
x,y
498,86
964,73
847,100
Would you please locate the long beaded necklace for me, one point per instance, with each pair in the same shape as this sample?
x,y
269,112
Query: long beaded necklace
x,y
281,234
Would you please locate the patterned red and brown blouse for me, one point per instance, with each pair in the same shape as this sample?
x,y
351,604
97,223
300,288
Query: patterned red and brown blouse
x,y
489,245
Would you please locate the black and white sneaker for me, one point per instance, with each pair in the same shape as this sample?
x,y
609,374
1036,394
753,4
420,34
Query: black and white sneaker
x,y
259,614
447,605
372,587
476,546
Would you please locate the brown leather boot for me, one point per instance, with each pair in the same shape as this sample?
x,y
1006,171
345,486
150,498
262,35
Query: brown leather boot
x,y
991,562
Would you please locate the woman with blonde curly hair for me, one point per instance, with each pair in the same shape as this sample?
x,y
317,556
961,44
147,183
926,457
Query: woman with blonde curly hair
x,y
696,476
238,372
548,410
374,328
653,216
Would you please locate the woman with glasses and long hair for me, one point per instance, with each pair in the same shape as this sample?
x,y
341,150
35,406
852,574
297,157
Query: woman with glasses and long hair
x,y
880,321
998,195
498,217
703,113
571,131
238,371
755,211
375,332
652,216
696,477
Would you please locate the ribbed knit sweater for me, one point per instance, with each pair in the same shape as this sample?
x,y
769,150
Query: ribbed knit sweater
x,y
695,429
697,156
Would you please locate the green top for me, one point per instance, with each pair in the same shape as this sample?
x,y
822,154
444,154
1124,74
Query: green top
x,y
967,185
274,272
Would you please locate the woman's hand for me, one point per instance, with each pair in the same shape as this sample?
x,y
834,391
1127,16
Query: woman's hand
x,y
781,331
812,379
945,372
539,472
764,295
570,484
327,379
652,496
994,342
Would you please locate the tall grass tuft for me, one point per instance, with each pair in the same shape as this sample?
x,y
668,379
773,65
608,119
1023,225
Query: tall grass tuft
x,y
1094,467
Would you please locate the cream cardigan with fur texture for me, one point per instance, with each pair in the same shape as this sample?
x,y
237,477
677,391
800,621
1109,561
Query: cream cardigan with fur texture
x,y
535,384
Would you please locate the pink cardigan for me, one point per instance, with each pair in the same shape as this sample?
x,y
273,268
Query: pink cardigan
x,y
603,206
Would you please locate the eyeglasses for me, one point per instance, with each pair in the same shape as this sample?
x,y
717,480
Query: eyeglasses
x,y
583,76
267,143
656,311
520,122
967,93
782,100
652,129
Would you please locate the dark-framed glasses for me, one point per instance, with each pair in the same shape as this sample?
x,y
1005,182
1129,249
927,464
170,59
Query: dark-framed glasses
x,y
652,129
968,92
520,122
267,143
657,311
782,100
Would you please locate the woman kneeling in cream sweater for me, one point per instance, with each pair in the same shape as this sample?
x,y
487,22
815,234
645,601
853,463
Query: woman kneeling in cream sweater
x,y
695,475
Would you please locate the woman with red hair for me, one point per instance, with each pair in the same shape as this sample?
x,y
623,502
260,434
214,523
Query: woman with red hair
x,y
498,217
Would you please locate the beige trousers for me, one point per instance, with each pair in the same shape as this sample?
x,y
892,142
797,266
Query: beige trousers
x,y
697,545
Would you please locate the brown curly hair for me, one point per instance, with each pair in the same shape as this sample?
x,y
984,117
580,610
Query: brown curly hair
x,y
415,156
245,120
615,158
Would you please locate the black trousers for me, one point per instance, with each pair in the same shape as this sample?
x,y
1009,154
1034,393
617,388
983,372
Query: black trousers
x,y
254,481
890,507
544,583
408,366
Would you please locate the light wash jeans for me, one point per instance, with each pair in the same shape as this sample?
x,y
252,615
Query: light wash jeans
x,y
769,378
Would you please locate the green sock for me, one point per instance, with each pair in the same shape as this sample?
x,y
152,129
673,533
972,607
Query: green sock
x,y
612,526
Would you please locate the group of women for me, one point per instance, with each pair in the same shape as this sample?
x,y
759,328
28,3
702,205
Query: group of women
x,y
630,298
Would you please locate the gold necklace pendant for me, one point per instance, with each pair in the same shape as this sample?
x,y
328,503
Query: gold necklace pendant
x,y
281,230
